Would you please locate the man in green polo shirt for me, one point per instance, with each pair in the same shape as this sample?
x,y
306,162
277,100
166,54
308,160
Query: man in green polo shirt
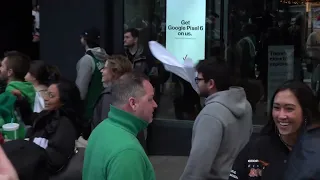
x,y
113,151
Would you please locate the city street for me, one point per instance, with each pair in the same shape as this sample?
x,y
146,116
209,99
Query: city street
x,y
171,167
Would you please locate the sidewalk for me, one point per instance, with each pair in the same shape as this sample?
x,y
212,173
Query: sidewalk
x,y
171,167
168,167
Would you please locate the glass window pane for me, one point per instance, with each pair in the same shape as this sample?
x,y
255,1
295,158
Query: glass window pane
x,y
249,34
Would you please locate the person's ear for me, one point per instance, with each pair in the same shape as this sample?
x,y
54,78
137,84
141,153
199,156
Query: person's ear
x,y
10,73
211,84
133,103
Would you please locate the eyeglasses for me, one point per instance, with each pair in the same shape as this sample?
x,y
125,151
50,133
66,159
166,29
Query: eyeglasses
x,y
49,94
198,79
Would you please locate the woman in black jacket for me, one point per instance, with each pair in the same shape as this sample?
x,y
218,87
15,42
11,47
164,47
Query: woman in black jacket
x,y
57,127
52,136
293,109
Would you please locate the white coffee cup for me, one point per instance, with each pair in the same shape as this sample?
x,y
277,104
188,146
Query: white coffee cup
x,y
10,130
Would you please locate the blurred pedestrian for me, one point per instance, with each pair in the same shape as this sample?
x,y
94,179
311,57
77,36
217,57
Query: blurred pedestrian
x,y
7,171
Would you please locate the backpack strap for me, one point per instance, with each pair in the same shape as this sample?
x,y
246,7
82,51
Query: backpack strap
x,y
90,53
96,62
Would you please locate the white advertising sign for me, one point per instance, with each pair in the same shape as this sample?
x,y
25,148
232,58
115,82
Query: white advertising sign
x,y
185,29
281,67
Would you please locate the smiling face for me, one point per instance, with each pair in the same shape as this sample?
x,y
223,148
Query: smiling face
x,y
287,113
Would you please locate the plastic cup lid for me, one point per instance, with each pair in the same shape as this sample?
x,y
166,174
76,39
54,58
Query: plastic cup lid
x,y
10,127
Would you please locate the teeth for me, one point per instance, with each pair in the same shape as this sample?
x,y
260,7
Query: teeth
x,y
283,124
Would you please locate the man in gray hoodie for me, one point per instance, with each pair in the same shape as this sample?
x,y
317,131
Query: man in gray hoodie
x,y
88,69
222,128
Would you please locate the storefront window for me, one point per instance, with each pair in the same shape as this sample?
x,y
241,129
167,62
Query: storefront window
x,y
264,42
137,16
178,24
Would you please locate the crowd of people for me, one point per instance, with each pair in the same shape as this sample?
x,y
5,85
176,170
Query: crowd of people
x,y
113,100
53,112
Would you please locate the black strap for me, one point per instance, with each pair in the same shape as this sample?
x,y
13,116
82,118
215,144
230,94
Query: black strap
x,y
90,53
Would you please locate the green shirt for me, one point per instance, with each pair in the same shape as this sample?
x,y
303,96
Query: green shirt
x,y
114,152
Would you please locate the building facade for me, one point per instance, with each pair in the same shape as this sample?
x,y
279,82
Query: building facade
x,y
215,26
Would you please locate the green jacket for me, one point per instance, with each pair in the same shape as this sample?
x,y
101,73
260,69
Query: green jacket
x,y
7,101
113,151
27,90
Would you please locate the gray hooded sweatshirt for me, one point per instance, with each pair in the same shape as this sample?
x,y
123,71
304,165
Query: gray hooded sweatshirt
x,y
86,67
220,131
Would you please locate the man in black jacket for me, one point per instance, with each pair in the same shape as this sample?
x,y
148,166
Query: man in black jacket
x,y
144,62
134,51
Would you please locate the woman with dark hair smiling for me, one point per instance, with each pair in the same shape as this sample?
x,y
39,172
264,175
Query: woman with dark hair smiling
x,y
294,109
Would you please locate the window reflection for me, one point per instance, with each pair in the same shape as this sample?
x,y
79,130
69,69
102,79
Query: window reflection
x,y
249,29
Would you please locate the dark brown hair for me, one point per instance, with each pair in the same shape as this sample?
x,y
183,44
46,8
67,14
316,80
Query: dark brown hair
x,y
19,63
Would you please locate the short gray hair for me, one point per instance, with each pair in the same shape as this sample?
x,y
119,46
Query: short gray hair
x,y
127,86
